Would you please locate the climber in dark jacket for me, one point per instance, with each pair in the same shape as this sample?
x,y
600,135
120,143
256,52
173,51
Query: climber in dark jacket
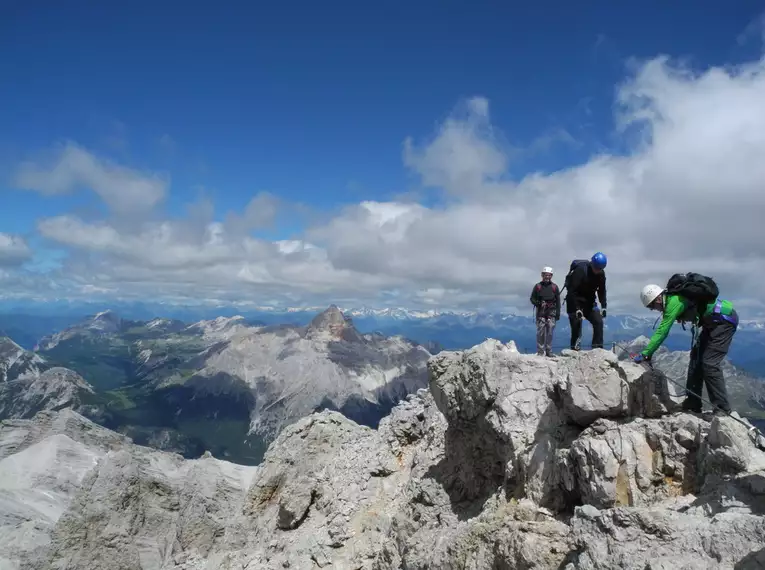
x,y
545,296
583,283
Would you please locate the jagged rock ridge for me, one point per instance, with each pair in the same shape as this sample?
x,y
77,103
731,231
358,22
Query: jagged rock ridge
x,y
16,362
29,384
508,461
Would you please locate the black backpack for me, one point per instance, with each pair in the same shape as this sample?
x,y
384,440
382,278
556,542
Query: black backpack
x,y
574,264
697,288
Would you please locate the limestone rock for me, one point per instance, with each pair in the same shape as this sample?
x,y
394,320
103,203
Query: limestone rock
x,y
42,466
730,447
598,385
508,461
139,508
512,417
661,538
636,463
55,388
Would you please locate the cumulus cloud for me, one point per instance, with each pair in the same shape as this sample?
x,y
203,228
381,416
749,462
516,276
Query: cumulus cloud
x,y
124,190
260,212
466,154
687,196
13,250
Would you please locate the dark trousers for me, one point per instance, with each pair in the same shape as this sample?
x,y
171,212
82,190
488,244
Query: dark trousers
x,y
595,319
704,367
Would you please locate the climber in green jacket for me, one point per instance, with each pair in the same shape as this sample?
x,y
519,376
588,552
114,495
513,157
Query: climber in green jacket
x,y
718,321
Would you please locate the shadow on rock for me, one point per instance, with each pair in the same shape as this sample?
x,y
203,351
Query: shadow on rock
x,y
752,561
472,470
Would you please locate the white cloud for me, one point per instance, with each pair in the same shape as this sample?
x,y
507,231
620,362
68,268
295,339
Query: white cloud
x,y
13,250
122,189
259,213
464,156
688,196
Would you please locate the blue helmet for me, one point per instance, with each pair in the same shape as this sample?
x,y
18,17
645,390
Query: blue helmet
x,y
599,260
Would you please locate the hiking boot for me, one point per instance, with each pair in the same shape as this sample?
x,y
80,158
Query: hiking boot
x,y
690,406
720,412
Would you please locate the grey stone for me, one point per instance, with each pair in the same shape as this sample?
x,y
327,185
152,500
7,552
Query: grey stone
x,y
491,468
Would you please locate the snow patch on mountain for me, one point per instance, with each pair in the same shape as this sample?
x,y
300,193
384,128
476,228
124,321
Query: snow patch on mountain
x,y
105,321
220,327
144,356
165,325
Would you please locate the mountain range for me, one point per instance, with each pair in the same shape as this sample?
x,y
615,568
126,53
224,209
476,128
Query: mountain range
x,y
224,385
436,329
230,384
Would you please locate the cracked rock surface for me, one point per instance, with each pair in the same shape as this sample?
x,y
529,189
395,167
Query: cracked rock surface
x,y
507,461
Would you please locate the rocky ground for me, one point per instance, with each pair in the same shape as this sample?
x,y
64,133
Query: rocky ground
x,y
508,461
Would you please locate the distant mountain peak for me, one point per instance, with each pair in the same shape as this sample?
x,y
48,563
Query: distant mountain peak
x,y
333,323
107,314
331,316
105,321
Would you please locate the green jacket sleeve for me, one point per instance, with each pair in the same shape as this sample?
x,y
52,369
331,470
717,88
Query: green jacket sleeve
x,y
675,307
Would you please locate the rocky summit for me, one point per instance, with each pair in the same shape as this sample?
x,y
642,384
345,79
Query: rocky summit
x,y
507,461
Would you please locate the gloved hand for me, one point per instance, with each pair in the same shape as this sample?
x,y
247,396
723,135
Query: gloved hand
x,y
579,314
603,313
639,358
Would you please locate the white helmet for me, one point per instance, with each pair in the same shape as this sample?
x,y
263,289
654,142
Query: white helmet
x,y
547,270
649,294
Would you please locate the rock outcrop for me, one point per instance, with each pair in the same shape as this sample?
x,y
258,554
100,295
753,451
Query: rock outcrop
x,y
54,389
29,384
508,461
15,362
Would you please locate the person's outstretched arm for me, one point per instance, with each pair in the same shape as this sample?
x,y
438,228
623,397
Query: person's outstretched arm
x,y
676,306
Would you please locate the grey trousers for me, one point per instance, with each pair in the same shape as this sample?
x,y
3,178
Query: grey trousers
x,y
545,329
705,365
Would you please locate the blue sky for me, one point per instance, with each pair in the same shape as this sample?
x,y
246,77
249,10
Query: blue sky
x,y
311,103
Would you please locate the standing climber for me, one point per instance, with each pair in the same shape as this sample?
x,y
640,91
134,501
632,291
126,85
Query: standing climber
x,y
585,279
694,298
545,297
